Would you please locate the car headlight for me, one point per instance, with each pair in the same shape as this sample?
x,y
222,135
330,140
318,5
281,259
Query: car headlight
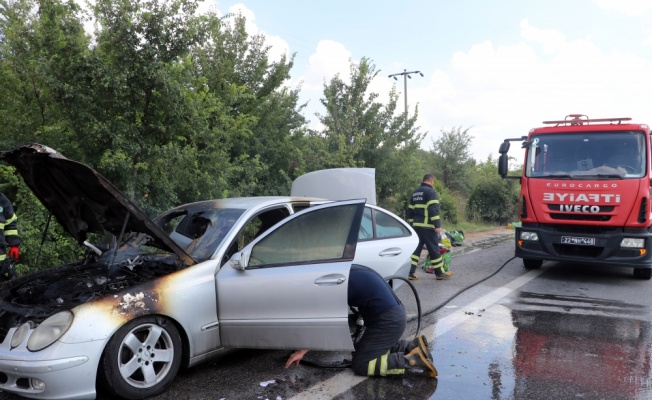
x,y
49,331
21,334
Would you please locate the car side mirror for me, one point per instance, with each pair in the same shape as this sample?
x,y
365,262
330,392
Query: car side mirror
x,y
239,261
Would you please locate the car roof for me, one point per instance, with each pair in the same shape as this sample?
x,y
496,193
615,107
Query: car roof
x,y
246,203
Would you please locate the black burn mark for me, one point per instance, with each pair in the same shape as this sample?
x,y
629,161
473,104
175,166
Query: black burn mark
x,y
37,296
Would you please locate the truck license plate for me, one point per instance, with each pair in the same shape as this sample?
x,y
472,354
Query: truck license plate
x,y
584,241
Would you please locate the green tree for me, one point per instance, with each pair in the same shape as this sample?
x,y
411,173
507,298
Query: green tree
x,y
42,69
362,132
452,158
240,72
149,133
42,48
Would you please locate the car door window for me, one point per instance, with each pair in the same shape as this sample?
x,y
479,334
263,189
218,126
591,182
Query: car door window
x,y
388,226
321,235
377,224
260,224
366,225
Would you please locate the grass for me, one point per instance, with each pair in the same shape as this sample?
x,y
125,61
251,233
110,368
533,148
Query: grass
x,y
469,226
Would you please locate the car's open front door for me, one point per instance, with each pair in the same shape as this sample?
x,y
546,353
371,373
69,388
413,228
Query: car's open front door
x,y
288,288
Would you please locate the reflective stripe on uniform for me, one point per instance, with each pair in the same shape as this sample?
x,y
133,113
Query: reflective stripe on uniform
x,y
12,219
396,371
13,232
371,367
383,364
426,218
3,257
378,367
438,260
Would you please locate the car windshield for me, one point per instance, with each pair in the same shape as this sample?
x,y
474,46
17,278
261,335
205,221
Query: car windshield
x,y
199,228
587,155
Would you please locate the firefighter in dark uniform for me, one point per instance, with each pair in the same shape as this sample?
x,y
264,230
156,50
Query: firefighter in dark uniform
x,y
380,351
423,215
8,238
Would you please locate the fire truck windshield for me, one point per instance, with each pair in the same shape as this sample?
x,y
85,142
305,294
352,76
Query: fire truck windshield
x,y
587,155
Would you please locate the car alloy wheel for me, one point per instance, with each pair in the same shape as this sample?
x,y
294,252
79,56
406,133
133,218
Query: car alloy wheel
x,y
142,358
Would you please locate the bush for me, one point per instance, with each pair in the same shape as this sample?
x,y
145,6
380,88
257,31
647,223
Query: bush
x,y
448,208
447,205
493,201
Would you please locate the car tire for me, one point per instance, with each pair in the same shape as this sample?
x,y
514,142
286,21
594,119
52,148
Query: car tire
x,y
643,273
532,264
142,358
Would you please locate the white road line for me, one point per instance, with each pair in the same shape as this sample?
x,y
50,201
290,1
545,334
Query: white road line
x,y
345,380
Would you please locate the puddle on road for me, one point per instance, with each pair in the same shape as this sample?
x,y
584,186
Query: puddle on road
x,y
534,346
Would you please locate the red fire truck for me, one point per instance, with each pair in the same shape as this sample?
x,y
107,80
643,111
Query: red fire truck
x,y
585,193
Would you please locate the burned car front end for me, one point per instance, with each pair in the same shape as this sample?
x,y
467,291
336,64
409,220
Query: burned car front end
x,y
55,324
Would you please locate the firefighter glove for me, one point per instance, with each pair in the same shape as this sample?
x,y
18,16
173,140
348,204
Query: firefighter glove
x,y
14,252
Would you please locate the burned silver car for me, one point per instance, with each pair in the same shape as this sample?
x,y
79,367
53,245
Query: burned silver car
x,y
169,293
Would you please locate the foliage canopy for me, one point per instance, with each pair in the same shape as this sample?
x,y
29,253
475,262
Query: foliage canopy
x,y
173,106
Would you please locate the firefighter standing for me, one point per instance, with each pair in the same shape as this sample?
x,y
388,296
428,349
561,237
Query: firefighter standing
x,y
423,215
8,238
380,351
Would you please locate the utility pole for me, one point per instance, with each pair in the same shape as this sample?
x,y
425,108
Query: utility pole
x,y
406,74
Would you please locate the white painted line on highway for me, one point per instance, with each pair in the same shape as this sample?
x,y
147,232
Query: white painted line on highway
x,y
345,380
331,387
449,322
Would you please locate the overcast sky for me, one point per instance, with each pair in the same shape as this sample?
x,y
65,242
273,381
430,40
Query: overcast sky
x,y
497,67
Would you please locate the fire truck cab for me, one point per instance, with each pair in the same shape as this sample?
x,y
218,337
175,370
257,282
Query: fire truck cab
x,y
585,193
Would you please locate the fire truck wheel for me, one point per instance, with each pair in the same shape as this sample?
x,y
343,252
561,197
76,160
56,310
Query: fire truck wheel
x,y
642,273
532,264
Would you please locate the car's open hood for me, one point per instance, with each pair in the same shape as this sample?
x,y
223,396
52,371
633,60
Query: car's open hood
x,y
81,199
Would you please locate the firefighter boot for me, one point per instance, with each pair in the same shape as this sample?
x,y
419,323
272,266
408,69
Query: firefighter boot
x,y
422,343
417,360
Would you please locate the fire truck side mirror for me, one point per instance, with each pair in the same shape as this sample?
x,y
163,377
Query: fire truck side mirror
x,y
503,163
504,148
